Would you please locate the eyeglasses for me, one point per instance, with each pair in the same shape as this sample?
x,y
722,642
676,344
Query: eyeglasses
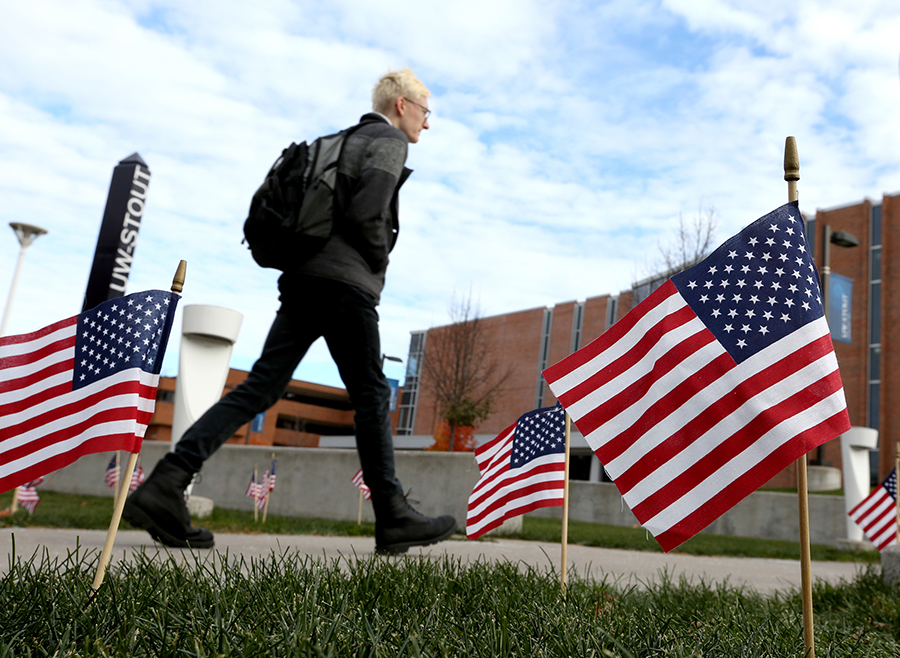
x,y
424,109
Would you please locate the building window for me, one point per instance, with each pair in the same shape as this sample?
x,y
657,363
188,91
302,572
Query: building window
x,y
544,358
577,327
612,307
811,234
874,320
410,397
165,396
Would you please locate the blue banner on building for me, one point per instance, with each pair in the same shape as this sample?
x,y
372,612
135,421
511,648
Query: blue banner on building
x,y
395,388
259,422
840,307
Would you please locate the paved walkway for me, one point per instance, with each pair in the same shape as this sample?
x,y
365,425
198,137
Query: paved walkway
x,y
625,567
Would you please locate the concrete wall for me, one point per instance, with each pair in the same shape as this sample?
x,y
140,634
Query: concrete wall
x,y
315,482
763,514
312,482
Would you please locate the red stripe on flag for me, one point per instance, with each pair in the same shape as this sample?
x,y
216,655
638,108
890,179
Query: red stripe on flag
x,y
723,407
19,339
745,484
79,405
637,390
728,448
611,336
22,360
126,441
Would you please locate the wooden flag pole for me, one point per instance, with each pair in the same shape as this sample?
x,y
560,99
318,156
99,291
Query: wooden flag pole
x,y
124,482
116,486
255,493
359,513
792,175
565,509
268,495
116,518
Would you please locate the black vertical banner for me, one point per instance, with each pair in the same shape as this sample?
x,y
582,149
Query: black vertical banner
x,y
118,232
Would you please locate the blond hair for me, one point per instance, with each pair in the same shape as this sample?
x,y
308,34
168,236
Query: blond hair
x,y
394,84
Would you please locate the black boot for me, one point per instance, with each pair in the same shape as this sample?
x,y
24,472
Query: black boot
x,y
398,526
158,507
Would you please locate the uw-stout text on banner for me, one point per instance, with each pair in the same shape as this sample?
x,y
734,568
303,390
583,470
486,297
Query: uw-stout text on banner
x,y
118,232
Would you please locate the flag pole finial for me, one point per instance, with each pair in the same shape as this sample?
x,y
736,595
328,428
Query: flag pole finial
x,y
791,160
178,281
791,167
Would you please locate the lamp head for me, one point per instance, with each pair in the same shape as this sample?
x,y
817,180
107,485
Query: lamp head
x,y
844,239
26,233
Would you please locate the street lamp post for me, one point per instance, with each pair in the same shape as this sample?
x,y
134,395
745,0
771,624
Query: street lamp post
x,y
385,357
26,233
841,239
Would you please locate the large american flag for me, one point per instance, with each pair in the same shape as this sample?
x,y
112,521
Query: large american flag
x,y
877,514
721,378
522,469
82,385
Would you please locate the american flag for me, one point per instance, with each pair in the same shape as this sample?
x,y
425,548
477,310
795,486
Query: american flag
x,y
268,480
258,491
82,385
28,495
111,475
137,477
877,514
522,469
361,484
721,378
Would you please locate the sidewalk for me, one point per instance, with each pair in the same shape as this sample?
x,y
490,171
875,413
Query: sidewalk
x,y
624,567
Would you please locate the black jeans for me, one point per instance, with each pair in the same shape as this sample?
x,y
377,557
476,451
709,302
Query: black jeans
x,y
346,317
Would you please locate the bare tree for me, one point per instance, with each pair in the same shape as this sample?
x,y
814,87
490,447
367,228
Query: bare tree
x,y
693,241
461,370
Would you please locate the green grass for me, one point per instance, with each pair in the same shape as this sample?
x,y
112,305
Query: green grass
x,y
288,605
637,539
90,512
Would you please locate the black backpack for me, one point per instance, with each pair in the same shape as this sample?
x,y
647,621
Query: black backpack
x,y
291,214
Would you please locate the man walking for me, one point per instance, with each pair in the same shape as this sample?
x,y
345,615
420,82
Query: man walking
x,y
333,294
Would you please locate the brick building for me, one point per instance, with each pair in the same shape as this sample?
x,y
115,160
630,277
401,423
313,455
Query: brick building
x,y
865,322
305,413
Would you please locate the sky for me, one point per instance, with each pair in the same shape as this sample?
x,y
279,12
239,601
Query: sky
x,y
567,138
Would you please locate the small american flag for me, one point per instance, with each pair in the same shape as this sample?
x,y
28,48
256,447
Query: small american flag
x,y
137,477
721,378
111,476
523,469
268,481
83,385
361,484
258,491
28,495
877,514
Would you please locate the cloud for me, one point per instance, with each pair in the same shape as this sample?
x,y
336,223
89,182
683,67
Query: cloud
x,y
566,138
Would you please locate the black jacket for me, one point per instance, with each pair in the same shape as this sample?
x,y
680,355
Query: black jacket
x,y
366,224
